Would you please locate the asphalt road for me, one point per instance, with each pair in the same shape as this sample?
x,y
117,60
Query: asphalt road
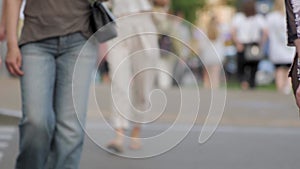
x,y
259,130
230,148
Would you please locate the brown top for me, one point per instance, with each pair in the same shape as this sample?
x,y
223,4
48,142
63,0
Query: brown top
x,y
51,18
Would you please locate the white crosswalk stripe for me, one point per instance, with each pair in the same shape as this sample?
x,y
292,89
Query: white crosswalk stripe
x,y
6,135
7,129
3,145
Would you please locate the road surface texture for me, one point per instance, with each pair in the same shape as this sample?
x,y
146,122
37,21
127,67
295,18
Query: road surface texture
x,y
259,130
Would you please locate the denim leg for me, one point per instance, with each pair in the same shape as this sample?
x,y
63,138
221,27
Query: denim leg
x,y
70,104
37,123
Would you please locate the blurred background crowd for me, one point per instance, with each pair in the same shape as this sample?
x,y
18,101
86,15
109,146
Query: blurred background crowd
x,y
231,26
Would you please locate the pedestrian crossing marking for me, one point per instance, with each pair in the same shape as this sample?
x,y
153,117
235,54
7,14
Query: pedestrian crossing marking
x,y
7,129
6,135
3,145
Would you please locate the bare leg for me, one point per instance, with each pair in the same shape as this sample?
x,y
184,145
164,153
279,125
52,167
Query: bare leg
x,y
206,80
215,76
117,144
245,85
135,142
211,80
280,73
282,81
287,82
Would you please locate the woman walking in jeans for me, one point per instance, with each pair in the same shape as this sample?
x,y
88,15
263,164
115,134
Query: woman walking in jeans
x,y
53,34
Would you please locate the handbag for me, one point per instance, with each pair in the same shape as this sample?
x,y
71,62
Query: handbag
x,y
102,22
253,52
165,44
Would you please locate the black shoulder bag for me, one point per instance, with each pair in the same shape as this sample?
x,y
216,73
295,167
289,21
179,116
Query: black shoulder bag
x,y
102,22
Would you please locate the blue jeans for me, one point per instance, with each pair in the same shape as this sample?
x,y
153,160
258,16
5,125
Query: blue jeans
x,y
54,100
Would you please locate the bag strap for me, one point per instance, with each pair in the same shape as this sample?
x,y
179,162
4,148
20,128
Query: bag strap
x,y
101,6
93,1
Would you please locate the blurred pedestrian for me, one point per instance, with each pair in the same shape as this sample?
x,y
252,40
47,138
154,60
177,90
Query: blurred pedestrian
x,y
293,26
165,28
127,61
280,54
44,58
212,56
183,52
248,28
103,66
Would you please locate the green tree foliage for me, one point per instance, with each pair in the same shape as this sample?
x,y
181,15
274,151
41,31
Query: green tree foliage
x,y
188,7
233,3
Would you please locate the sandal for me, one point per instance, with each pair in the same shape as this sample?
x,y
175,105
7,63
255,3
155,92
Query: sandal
x,y
135,144
115,147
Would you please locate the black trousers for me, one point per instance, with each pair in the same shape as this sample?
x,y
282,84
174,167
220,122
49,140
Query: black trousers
x,y
246,70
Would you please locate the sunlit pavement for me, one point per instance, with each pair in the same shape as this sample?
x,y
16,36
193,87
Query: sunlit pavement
x,y
259,130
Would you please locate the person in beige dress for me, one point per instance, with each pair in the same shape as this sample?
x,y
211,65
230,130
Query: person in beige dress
x,y
127,59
